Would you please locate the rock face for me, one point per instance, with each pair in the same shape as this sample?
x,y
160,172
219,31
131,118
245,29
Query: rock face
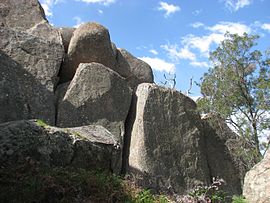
x,y
40,58
166,146
90,147
22,95
66,34
222,162
32,53
96,95
21,14
90,43
257,182
133,69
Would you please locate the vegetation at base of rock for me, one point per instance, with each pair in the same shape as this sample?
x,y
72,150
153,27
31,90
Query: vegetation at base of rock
x,y
41,123
237,88
27,182
239,199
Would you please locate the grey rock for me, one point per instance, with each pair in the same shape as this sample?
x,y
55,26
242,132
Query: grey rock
x,y
133,69
166,146
22,95
90,43
96,95
21,14
237,154
257,182
90,147
39,57
66,34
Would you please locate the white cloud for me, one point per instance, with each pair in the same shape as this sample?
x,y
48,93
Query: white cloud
x,y
233,28
47,5
78,21
168,8
235,5
100,11
266,26
104,2
153,51
177,53
197,25
201,64
159,64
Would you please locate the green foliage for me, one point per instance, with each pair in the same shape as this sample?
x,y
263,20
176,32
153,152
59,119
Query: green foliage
x,y
29,182
41,123
211,193
237,88
239,199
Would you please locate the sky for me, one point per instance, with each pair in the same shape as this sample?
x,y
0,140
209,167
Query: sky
x,y
174,37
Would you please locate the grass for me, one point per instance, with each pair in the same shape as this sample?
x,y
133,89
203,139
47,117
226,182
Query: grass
x,y
28,182
41,123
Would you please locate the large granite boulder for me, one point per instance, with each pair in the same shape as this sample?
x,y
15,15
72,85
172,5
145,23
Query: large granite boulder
x,y
257,182
21,14
89,147
133,69
39,57
166,146
95,95
29,39
29,16
90,43
22,96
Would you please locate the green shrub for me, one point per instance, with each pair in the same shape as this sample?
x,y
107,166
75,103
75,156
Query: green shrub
x,y
239,199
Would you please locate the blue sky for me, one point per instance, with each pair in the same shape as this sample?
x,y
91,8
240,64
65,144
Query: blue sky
x,y
174,36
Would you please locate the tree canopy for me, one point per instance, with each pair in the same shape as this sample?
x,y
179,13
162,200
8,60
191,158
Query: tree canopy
x,y
237,88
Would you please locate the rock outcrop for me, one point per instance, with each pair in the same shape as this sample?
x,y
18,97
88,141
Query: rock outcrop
x,y
90,43
83,147
257,182
96,95
133,69
170,148
22,96
166,146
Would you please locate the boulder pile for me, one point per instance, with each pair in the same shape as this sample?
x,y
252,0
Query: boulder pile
x,y
101,108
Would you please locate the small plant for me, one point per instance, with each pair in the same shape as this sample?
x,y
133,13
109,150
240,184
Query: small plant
x,y
41,123
206,194
239,199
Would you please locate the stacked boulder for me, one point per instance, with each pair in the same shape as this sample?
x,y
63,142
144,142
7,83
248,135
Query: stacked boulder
x,y
107,110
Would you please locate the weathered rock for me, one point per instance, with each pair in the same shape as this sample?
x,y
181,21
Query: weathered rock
x,y
21,14
90,147
40,58
90,43
66,33
166,146
133,69
223,161
96,95
257,182
22,96
238,155
27,15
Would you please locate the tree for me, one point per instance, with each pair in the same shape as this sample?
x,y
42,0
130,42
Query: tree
x,y
237,88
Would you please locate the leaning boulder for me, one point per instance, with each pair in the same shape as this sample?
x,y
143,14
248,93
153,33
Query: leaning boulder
x,y
96,95
90,43
133,69
22,95
166,147
89,147
257,182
